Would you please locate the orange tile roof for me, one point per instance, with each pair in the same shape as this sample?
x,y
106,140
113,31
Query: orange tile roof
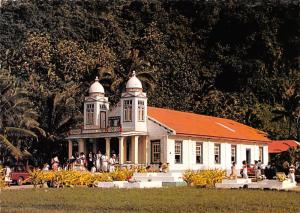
x,y
281,145
185,123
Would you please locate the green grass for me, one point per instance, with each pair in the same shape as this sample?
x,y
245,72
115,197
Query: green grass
x,y
180,199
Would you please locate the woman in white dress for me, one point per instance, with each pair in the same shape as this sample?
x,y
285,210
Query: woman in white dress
x,y
98,161
291,175
245,170
7,173
104,160
82,161
112,162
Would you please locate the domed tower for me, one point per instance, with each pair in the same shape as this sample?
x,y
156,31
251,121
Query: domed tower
x,y
95,107
134,106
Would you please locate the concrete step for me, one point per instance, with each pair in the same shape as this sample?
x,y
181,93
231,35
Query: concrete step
x,y
141,185
162,179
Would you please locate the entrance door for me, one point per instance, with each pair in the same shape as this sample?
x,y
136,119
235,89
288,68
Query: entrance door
x,y
248,156
155,151
89,147
114,146
101,145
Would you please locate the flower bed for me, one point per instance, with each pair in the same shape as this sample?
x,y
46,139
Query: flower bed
x,y
204,178
77,178
3,184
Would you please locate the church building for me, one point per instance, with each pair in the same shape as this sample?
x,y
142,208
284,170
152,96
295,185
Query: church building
x,y
140,134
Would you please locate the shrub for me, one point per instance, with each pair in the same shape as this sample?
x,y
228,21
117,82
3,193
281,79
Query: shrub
x,y
3,184
77,178
203,178
280,176
122,174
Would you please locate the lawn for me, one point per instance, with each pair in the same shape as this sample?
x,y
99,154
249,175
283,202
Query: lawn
x,y
180,199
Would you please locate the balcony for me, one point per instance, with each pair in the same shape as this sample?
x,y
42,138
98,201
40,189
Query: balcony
x,y
96,129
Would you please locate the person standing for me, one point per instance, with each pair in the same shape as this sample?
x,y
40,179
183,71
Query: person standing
x,y
82,161
255,168
112,162
233,174
292,173
55,163
245,170
272,171
46,167
90,161
98,161
261,167
104,160
7,172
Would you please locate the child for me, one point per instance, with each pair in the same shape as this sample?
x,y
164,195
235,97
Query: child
x,y
233,174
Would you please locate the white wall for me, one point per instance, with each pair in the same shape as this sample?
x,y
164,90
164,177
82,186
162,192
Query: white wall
x,y
134,124
157,132
189,154
266,154
97,101
140,126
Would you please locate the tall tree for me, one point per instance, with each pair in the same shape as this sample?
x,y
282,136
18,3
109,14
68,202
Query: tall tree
x,y
17,119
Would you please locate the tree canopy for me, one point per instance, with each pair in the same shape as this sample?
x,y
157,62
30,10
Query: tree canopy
x,y
233,59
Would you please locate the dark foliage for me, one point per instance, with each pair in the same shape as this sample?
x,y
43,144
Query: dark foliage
x,y
235,59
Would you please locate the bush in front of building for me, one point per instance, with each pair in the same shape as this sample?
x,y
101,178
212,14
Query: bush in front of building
x,y
3,184
68,178
121,174
203,178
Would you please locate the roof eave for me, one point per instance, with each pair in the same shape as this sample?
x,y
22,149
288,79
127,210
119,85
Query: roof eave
x,y
223,138
169,130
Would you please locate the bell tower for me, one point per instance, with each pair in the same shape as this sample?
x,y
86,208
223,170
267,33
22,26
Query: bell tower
x,y
134,106
96,106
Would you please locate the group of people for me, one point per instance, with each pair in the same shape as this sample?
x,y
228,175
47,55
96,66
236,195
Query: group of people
x,y
258,169
94,162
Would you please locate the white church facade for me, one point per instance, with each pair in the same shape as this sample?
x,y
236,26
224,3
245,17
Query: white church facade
x,y
139,134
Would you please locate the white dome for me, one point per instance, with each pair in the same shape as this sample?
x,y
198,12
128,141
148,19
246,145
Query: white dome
x,y
96,87
134,82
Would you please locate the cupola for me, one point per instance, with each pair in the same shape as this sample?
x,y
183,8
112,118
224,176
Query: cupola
x,y
134,84
96,88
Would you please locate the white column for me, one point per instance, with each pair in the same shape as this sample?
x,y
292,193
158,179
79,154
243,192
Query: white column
x,y
121,150
107,141
70,149
134,149
265,155
81,146
146,143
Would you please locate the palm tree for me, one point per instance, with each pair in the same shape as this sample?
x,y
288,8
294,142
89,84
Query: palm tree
x,y
16,118
116,79
59,112
289,111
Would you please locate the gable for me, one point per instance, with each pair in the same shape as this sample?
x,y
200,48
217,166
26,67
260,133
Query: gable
x,y
157,129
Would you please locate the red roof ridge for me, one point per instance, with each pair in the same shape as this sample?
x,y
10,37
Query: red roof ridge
x,y
193,113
